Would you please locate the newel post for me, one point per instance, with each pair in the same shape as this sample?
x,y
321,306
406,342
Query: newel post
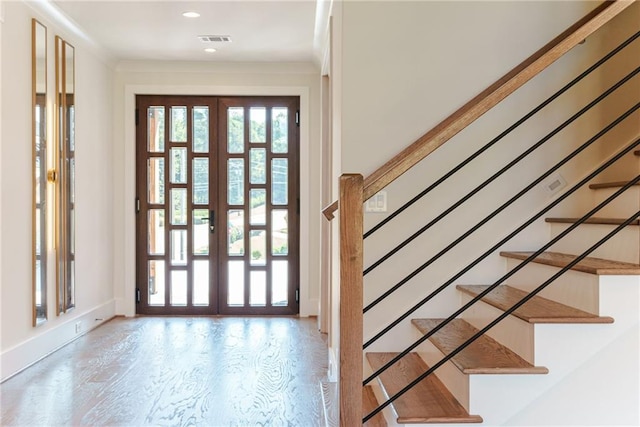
x,y
351,299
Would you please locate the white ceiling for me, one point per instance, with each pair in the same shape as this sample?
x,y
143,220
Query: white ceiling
x,y
261,30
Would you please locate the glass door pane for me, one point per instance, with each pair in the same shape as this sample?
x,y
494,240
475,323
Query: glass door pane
x,y
177,212
259,148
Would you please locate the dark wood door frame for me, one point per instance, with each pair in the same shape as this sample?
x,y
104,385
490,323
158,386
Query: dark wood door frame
x,y
217,203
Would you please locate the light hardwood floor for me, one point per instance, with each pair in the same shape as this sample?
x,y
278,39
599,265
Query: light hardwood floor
x,y
176,371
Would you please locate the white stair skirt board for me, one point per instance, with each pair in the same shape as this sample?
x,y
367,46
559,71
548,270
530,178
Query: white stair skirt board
x,y
590,386
563,348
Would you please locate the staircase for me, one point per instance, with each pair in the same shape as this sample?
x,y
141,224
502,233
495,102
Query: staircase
x,y
579,315
542,345
551,335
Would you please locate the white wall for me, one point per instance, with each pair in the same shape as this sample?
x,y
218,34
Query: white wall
x,y
335,55
20,343
405,67
300,79
1,63
622,27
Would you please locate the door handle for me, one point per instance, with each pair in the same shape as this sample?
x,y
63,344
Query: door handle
x,y
212,221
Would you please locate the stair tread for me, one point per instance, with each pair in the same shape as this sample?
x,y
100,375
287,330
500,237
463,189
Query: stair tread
x,y
369,403
613,184
428,402
483,356
537,310
593,220
587,265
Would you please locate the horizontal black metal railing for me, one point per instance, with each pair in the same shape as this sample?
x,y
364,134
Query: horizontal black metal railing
x,y
484,184
511,128
521,265
519,229
496,212
508,312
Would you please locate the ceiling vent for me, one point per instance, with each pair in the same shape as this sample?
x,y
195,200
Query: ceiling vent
x,y
217,39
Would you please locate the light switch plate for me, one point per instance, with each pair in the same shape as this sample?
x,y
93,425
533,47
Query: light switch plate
x,y
377,203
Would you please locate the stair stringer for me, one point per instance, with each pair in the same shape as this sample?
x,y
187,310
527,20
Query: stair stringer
x,y
593,383
564,349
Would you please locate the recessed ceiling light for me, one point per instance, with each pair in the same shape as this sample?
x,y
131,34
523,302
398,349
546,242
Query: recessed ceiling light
x,y
191,14
209,50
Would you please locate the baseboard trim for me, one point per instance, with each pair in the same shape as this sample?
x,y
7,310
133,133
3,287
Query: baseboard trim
x,y
330,403
333,365
309,307
19,357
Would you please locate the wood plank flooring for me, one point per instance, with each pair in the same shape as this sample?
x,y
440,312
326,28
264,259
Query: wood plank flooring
x,y
176,371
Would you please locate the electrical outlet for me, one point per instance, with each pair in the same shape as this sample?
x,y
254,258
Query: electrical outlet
x,y
78,327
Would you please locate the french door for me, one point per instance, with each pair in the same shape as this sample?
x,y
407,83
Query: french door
x,y
217,205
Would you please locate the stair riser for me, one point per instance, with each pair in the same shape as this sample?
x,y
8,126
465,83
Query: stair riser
x,y
449,374
622,206
402,333
624,169
624,246
511,332
573,288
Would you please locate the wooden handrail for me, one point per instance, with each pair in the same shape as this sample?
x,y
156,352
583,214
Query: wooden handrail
x,y
351,299
487,99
